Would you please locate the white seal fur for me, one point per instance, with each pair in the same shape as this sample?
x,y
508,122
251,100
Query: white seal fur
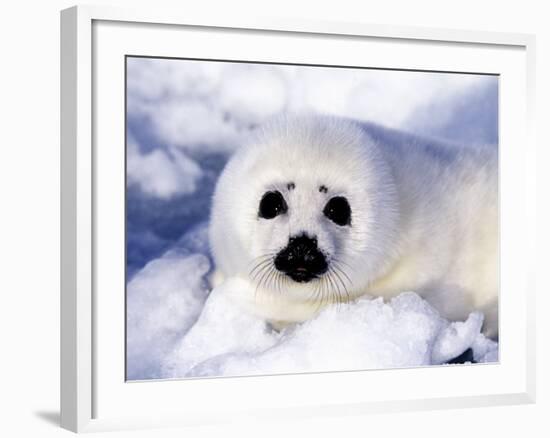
x,y
424,217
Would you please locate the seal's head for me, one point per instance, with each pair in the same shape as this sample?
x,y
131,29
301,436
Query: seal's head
x,y
305,210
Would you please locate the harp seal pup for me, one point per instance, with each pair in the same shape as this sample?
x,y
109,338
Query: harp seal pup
x,y
315,210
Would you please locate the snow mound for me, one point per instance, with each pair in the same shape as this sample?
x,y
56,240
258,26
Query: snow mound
x,y
163,300
365,334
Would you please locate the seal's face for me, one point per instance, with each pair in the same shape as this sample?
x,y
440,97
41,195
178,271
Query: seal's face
x,y
304,212
302,259
303,228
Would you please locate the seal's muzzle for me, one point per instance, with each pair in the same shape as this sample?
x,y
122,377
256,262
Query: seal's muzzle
x,y
301,259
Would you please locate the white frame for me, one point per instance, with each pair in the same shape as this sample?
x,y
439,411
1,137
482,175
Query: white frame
x,y
78,221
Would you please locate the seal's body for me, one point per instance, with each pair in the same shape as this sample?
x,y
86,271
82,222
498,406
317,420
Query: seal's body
x,y
315,210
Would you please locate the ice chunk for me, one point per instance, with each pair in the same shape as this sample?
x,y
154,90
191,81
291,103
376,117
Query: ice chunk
x,y
485,349
456,338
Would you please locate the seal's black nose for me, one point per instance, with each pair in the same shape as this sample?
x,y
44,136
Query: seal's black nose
x,y
301,260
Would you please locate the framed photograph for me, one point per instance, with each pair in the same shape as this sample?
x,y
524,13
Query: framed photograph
x,y
281,219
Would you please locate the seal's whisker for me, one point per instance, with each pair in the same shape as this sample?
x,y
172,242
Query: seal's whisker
x,y
264,272
339,296
259,271
268,279
265,276
283,282
337,275
321,292
263,256
273,280
332,285
316,290
342,262
342,271
259,267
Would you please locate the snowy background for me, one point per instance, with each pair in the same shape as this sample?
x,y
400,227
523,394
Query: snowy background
x,y
184,120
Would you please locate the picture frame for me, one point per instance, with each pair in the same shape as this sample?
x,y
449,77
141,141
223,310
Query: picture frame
x,y
94,393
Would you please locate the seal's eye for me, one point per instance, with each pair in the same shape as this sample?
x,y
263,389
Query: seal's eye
x,y
338,211
272,204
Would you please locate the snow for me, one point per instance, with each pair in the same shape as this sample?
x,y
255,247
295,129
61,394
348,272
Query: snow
x,y
196,104
162,301
160,173
185,119
193,337
255,105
